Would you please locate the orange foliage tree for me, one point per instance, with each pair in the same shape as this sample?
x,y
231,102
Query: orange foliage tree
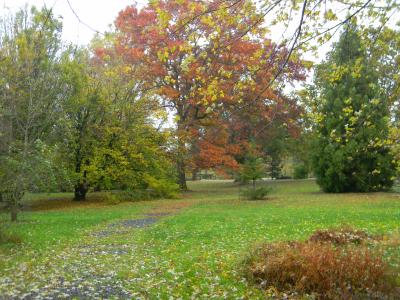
x,y
203,59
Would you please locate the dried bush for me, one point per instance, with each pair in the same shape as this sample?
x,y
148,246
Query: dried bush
x,y
341,236
321,269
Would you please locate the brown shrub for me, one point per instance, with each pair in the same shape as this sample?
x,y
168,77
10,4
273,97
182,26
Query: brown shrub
x,y
319,268
341,236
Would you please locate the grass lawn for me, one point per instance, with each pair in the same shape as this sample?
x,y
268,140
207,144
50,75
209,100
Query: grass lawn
x,y
193,252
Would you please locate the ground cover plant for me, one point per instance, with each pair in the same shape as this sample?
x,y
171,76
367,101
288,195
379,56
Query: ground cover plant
x,y
187,247
256,193
331,264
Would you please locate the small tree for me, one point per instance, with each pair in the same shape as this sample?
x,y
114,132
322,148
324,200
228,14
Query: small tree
x,y
351,152
252,170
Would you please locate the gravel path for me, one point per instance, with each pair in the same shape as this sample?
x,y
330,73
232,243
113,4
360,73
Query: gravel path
x,y
85,280
124,226
93,287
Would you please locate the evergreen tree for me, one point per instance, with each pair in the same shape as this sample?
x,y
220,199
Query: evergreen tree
x,y
351,152
252,169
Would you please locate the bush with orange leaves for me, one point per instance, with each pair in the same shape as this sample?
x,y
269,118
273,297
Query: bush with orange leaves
x,y
321,269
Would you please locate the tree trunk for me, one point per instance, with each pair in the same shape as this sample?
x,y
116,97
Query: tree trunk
x,y
13,199
14,212
181,173
254,184
180,159
80,191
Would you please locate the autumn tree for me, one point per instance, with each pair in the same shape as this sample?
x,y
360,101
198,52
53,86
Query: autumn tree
x,y
304,25
31,94
383,47
111,139
198,66
83,114
382,44
214,150
352,151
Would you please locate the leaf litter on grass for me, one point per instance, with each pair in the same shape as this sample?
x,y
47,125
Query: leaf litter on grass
x,y
193,255
84,271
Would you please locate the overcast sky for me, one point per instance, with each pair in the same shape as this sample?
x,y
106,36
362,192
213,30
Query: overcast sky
x,y
98,14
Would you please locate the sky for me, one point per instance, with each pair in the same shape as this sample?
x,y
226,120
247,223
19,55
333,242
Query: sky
x,y
98,14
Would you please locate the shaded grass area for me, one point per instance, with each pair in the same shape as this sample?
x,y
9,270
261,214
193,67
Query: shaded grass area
x,y
196,251
40,229
396,187
57,201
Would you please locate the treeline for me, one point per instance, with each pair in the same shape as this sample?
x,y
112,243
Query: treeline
x,y
71,122
99,117
96,118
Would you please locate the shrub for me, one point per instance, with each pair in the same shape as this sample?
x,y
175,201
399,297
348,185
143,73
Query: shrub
x,y
320,269
134,195
341,236
159,189
9,238
258,193
300,172
110,198
162,188
284,177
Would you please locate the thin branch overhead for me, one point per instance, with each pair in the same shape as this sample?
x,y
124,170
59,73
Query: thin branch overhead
x,y
80,21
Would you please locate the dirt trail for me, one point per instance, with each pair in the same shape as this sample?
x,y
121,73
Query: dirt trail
x,y
88,281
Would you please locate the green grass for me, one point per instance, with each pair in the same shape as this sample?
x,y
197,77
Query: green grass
x,y
196,251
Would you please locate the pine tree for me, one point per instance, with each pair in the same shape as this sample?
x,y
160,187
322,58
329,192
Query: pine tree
x,y
351,152
252,169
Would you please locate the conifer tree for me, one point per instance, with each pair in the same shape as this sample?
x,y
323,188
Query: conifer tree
x,y
351,152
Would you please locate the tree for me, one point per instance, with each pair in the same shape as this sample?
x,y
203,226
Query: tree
x,y
352,152
304,25
213,149
82,113
111,141
252,169
31,94
395,146
383,44
200,65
